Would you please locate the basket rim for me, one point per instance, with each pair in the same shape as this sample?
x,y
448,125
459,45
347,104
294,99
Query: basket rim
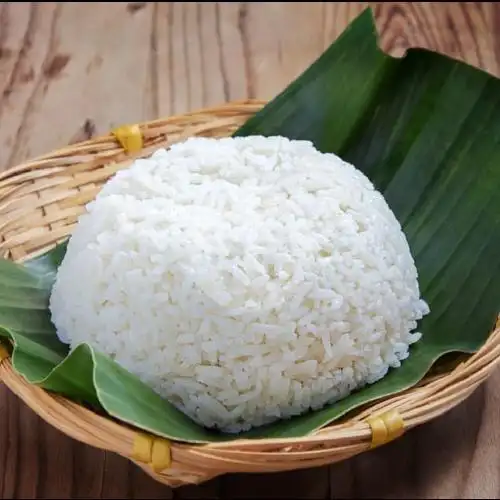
x,y
192,463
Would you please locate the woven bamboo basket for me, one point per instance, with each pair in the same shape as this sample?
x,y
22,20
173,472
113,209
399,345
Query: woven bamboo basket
x,y
40,201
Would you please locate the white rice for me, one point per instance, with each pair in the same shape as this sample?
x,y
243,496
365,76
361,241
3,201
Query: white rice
x,y
245,280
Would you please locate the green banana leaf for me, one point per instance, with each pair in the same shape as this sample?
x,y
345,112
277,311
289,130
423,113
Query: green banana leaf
x,y
426,130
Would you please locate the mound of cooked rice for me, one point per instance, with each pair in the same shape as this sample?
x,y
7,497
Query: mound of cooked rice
x,y
243,279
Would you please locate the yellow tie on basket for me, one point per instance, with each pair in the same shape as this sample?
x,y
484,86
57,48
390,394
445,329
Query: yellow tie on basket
x,y
130,138
153,451
386,427
4,354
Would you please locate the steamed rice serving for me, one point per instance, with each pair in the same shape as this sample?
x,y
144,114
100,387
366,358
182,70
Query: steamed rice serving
x,y
243,279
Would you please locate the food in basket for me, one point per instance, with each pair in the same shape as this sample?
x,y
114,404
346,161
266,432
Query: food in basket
x,y
244,279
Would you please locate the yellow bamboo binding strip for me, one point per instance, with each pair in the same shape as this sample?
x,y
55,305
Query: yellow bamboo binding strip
x,y
4,354
153,451
386,427
130,138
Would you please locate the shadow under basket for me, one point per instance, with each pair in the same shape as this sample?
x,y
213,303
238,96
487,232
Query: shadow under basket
x,y
40,202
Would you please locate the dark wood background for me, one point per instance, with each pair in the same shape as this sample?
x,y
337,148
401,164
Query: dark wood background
x,y
69,70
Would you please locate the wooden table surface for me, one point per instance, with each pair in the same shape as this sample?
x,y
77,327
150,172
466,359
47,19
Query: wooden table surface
x,y
70,70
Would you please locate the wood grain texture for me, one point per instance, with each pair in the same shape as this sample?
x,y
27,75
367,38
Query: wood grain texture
x,y
70,70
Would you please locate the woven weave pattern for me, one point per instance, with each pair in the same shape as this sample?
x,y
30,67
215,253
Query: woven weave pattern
x,y
40,201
